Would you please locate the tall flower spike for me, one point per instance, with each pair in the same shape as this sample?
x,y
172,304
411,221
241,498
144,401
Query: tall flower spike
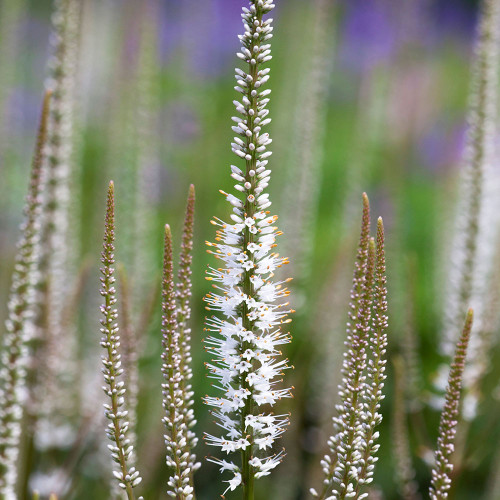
x,y
19,325
473,243
183,296
61,82
114,388
245,342
441,480
351,417
177,440
375,369
356,342
146,126
56,368
305,161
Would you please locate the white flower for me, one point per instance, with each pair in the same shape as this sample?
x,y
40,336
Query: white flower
x,y
264,442
251,247
248,265
234,483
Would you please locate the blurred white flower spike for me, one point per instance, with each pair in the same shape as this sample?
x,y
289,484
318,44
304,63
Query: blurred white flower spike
x,y
16,349
245,342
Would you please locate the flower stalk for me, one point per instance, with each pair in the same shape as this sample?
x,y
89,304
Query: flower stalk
x,y
330,462
19,325
376,367
353,446
441,480
305,160
178,416
353,389
183,296
474,240
244,343
117,430
56,374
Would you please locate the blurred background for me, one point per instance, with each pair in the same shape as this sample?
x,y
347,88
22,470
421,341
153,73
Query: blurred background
x,y
367,95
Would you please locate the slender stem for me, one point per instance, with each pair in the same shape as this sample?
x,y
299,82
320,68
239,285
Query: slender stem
x,y
247,473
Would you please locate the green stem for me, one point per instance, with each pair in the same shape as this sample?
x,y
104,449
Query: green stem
x,y
247,473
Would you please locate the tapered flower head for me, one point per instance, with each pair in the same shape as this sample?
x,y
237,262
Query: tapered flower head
x,y
441,474
117,430
19,325
353,445
246,333
177,393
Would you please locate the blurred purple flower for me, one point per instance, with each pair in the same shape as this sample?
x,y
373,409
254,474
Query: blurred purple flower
x,y
204,33
458,19
24,107
185,122
374,31
441,148
369,34
170,27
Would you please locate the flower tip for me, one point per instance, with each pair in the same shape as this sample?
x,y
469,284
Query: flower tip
x,y
111,186
469,319
366,208
46,101
168,232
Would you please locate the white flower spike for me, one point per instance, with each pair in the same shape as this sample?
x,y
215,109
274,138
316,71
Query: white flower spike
x,y
245,342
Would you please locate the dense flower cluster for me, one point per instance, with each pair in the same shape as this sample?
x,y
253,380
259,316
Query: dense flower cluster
x,y
176,358
441,480
471,254
353,445
183,296
19,325
173,401
245,341
56,366
117,431
375,366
